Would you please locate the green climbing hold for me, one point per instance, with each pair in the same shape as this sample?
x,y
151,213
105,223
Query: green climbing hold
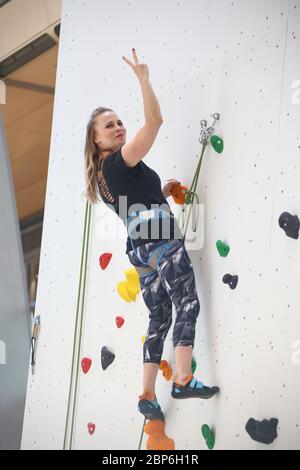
x,y
208,435
194,365
217,143
223,249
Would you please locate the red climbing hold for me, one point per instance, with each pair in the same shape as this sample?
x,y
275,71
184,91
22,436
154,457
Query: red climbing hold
x,y
91,428
104,259
86,364
119,321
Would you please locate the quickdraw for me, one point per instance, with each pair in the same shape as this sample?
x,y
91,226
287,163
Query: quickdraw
x,y
34,338
190,194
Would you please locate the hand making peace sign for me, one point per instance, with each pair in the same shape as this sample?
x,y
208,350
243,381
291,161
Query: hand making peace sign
x,y
141,70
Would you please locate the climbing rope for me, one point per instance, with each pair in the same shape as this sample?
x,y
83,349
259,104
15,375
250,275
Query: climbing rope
x,y
190,194
142,434
72,399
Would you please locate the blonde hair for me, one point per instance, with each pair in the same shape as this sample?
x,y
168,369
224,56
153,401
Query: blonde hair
x,y
92,157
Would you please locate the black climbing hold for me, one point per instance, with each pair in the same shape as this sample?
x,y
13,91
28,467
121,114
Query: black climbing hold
x,y
107,357
290,224
264,431
231,280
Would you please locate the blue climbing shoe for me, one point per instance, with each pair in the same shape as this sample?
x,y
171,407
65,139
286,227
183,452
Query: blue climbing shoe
x,y
192,389
149,407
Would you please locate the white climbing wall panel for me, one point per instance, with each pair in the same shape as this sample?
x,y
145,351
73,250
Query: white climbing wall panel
x,y
240,59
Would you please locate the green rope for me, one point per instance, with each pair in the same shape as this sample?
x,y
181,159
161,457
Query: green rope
x,y
142,434
190,195
72,398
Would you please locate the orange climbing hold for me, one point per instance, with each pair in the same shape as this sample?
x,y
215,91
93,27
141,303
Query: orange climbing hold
x,y
157,440
178,193
166,369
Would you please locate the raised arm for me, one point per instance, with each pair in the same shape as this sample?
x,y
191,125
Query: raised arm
x,y
140,145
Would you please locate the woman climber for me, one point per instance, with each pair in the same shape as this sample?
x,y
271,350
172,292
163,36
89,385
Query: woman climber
x,y
165,270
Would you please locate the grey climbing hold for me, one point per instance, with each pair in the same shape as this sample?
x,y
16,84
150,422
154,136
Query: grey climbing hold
x,y
107,357
264,431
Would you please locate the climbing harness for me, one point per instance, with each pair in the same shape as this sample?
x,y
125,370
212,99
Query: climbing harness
x,y
155,257
138,217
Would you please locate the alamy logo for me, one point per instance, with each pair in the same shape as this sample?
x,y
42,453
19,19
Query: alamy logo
x,y
296,354
2,353
148,224
296,95
2,92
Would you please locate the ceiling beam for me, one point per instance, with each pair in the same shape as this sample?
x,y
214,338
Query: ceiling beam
x,y
48,90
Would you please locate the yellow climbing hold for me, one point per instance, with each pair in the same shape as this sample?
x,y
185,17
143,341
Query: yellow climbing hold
x,y
143,339
133,280
123,291
132,275
130,288
131,291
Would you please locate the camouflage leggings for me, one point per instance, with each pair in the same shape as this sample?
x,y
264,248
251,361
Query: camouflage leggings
x,y
166,276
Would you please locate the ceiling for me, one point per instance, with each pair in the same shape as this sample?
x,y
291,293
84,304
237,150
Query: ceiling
x,y
27,119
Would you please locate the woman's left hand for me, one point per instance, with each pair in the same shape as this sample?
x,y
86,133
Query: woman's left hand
x,y
166,190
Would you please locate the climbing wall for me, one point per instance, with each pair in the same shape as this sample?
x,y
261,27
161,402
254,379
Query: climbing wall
x,y
232,57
